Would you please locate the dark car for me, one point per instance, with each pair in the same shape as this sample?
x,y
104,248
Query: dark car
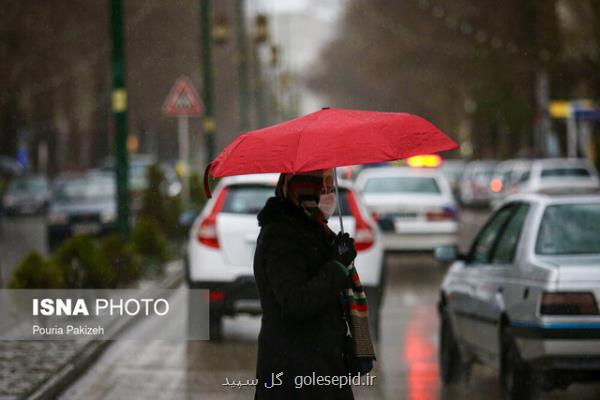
x,y
26,195
81,205
138,177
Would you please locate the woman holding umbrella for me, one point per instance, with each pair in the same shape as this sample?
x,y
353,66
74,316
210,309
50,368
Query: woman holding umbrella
x,y
300,266
300,275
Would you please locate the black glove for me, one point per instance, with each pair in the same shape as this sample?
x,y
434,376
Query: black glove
x,y
343,249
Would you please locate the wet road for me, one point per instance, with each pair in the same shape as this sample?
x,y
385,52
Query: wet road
x,y
407,353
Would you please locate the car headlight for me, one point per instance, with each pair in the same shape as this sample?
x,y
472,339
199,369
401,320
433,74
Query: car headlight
x,y
108,216
58,218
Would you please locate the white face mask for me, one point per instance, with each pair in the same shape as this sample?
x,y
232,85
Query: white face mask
x,y
327,204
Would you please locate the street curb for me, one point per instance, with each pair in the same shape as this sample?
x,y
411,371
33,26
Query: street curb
x,y
85,358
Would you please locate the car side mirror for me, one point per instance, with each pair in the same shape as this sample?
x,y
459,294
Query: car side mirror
x,y
446,254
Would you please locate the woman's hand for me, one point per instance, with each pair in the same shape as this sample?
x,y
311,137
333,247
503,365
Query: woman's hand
x,y
343,249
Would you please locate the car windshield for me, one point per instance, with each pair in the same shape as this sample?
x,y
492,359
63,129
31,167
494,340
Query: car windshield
x,y
86,188
483,174
28,185
247,199
569,229
250,199
401,184
553,173
138,179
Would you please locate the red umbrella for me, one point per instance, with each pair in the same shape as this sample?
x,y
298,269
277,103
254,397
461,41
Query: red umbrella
x,y
326,139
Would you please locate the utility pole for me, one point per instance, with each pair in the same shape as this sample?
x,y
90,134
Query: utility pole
x,y
261,120
242,65
209,125
542,128
119,108
261,35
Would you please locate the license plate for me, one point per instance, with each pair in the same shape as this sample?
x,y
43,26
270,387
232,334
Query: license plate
x,y
398,226
247,304
86,229
405,215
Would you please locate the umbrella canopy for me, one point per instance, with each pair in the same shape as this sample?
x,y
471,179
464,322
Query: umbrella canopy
x,y
328,138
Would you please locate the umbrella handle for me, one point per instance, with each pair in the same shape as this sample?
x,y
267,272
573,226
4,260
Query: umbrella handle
x,y
206,186
337,197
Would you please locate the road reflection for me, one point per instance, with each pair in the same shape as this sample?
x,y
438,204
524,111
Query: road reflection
x,y
420,355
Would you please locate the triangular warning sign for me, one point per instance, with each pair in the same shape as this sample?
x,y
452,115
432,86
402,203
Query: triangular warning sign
x,y
183,100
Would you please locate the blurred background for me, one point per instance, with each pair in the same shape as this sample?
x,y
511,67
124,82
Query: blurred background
x,y
111,109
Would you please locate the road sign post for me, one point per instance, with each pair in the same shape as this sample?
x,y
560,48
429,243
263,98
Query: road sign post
x,y
183,134
183,102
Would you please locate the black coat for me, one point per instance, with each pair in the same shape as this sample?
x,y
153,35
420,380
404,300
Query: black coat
x,y
302,330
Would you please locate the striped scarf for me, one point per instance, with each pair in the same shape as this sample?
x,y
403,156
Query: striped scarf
x,y
357,316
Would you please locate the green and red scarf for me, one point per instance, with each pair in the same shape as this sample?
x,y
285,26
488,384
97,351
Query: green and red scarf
x,y
357,316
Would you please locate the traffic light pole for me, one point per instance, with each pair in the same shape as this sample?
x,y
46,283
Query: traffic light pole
x,y
209,125
119,108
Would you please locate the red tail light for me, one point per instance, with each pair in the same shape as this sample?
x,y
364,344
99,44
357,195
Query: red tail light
x,y
568,303
496,185
216,295
207,232
364,236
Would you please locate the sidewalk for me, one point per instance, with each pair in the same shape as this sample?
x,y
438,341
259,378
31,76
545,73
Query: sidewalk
x,y
41,369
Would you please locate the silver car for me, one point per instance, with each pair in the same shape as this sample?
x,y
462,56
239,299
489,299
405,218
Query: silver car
x,y
557,174
474,184
525,297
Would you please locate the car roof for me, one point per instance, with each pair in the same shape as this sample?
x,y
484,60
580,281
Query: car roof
x,y
571,196
511,163
559,162
398,171
482,163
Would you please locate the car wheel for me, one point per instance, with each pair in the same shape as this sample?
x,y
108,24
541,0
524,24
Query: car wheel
x,y
216,327
196,324
518,381
453,367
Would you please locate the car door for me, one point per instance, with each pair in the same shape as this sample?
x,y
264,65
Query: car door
x,y
496,277
478,260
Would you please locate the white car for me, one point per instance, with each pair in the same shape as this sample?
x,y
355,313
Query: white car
x,y
505,180
222,242
414,207
525,298
474,184
558,174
